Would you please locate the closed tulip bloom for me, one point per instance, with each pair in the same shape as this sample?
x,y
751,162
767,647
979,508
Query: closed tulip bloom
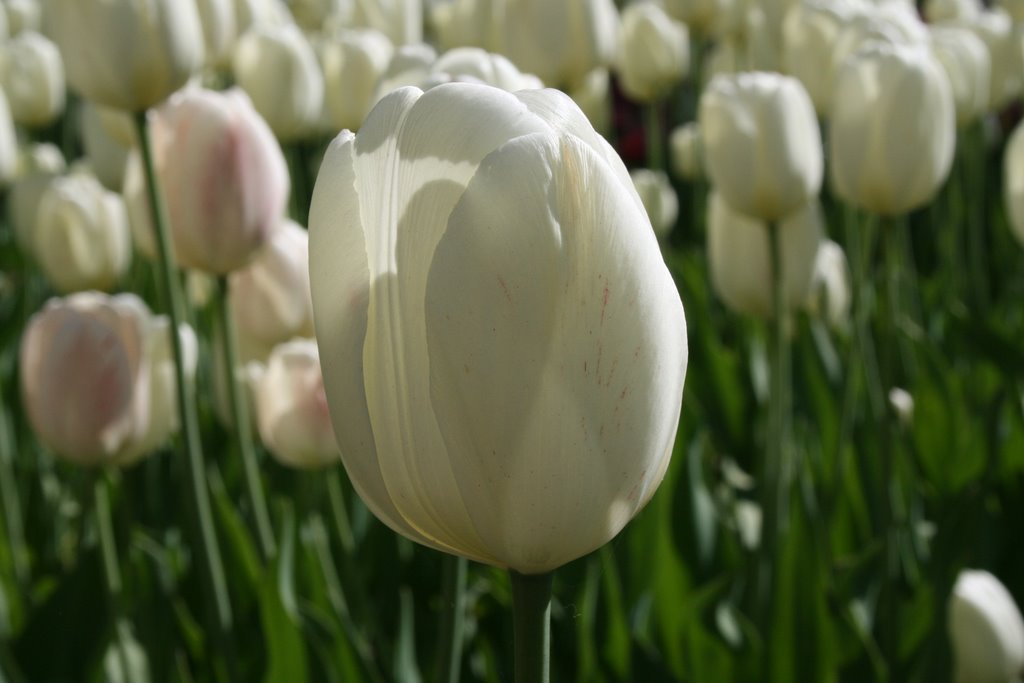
x,y
658,197
223,175
809,34
831,295
107,156
473,63
353,62
654,52
23,15
700,15
38,166
560,42
881,159
8,143
270,297
32,75
503,347
127,54
762,145
985,629
996,30
93,378
400,20
277,67
409,65
291,408
220,30
256,13
1013,182
686,151
739,257
966,62
81,236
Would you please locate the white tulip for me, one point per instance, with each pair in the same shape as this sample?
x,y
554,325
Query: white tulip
x,y
107,156
686,151
985,629
23,15
32,75
966,61
996,29
8,143
740,263
400,20
658,197
809,35
352,62
654,52
593,96
1013,182
831,294
220,30
37,167
503,347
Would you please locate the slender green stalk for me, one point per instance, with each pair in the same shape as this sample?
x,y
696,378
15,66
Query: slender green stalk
x,y
198,489
974,179
111,569
336,494
11,501
531,614
243,427
775,502
452,618
653,137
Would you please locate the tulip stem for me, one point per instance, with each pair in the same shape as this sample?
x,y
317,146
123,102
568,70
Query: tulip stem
x,y
776,471
531,614
11,500
243,427
199,491
653,137
111,569
453,580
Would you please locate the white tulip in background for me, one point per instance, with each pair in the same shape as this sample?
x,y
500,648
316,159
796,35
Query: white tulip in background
x,y
831,295
318,15
592,95
968,66
654,52
881,159
23,15
809,34
503,347
81,237
700,15
761,142
126,54
902,404
220,30
947,10
353,61
255,13
291,408
32,75
278,69
97,379
8,143
270,297
473,63
1013,182
107,157
686,152
400,20
37,166
223,175
739,256
985,629
560,42
658,197
996,30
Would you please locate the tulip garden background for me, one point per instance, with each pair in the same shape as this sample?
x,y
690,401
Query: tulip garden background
x,y
835,469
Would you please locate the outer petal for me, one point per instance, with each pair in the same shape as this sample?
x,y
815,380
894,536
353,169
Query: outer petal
x,y
557,351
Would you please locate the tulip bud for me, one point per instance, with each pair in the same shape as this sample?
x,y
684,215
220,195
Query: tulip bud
x,y
32,75
220,30
966,62
902,404
8,143
986,630
686,151
81,237
278,69
107,156
94,382
996,30
256,13
503,347
1013,182
700,15
880,160
352,62
223,175
654,52
830,295
36,169
809,34
740,262
270,297
658,197
400,20
474,64
761,143
291,408
23,16
127,54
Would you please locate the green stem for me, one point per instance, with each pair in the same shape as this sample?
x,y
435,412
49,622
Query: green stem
x,y
111,569
185,394
653,136
11,501
336,494
975,182
243,427
531,614
452,618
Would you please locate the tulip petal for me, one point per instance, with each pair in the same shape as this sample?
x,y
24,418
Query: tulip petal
x,y
548,303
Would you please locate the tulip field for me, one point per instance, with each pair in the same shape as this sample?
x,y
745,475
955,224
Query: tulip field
x,y
511,340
